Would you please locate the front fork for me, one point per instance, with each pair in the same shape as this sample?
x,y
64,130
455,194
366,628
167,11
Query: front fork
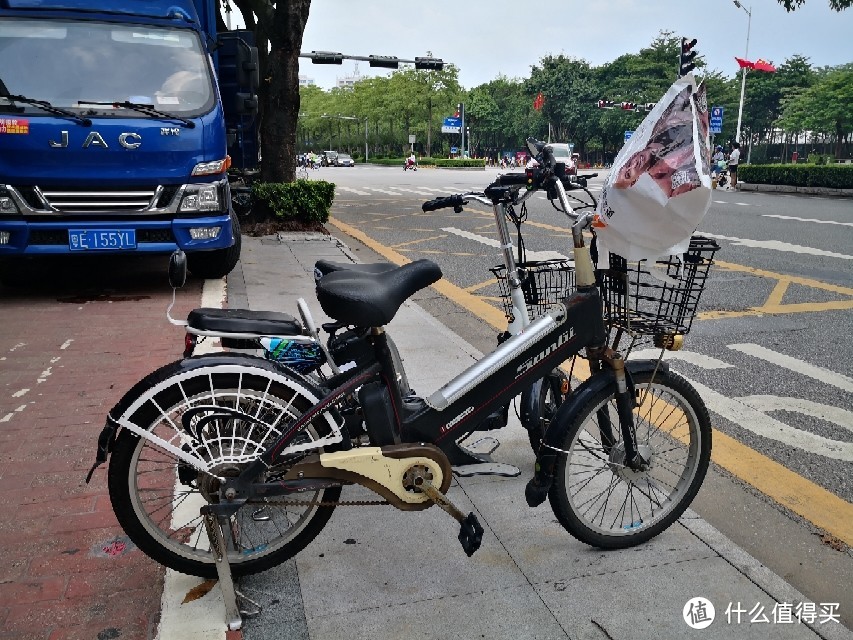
x,y
625,401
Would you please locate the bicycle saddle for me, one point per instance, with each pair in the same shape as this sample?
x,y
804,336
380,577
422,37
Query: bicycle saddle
x,y
373,299
325,267
262,323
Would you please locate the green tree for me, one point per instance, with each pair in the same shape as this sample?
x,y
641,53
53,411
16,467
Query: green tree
x,y
836,5
825,107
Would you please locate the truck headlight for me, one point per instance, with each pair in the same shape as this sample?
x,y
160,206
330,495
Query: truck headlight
x,y
7,205
201,197
212,168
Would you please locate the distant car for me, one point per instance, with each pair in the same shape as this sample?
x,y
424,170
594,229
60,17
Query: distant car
x,y
563,153
328,158
345,160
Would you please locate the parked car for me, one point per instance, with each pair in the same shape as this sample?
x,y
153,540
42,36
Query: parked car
x,y
345,160
328,158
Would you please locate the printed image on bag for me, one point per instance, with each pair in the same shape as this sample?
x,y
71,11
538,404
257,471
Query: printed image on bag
x,y
659,187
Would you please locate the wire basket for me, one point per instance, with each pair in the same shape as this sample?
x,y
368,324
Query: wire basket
x,y
544,283
660,297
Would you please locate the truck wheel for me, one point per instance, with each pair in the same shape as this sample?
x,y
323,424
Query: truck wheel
x,y
218,263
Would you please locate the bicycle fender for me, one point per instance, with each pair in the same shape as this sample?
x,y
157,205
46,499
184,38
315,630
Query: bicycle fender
x,y
538,486
109,433
529,410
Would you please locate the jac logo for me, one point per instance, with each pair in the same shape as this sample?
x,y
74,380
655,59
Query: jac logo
x,y
95,139
170,131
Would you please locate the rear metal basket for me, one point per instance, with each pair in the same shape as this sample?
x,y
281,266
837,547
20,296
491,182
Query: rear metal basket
x,y
544,283
660,297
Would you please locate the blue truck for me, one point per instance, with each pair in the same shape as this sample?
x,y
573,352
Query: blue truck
x,y
114,135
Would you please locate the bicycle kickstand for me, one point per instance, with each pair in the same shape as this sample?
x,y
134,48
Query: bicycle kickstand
x,y
215,526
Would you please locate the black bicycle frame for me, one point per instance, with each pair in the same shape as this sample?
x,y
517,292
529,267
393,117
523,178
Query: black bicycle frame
x,y
461,404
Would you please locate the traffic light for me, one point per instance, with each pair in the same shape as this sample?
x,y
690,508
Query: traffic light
x,y
326,57
686,62
605,104
430,64
387,62
629,106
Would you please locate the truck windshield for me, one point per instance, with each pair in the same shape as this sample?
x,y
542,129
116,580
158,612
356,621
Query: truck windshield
x,y
64,62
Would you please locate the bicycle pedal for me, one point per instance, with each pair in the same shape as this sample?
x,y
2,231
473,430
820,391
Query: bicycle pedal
x,y
470,534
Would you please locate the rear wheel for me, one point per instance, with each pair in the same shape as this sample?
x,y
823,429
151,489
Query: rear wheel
x,y
227,418
605,503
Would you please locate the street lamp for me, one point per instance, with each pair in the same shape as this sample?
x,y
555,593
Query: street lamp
x,y
745,57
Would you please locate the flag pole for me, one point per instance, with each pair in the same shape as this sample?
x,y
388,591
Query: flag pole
x,y
743,80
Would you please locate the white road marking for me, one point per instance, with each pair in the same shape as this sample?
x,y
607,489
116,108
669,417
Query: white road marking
x,y
742,414
20,393
67,343
390,193
356,191
798,219
841,417
698,359
797,366
419,192
491,242
776,245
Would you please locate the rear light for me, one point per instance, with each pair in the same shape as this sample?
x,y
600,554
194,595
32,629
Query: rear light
x,y
189,344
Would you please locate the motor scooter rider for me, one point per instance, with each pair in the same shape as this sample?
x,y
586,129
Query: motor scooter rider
x,y
412,161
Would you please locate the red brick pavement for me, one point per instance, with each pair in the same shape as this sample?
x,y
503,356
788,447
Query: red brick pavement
x,y
70,346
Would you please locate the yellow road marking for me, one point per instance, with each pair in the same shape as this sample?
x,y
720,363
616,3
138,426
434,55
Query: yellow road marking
x,y
405,244
482,285
805,498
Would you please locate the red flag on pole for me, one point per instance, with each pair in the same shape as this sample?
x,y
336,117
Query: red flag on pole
x,y
763,65
758,65
538,101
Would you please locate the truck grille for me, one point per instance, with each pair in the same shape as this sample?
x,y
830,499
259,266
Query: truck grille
x,y
77,200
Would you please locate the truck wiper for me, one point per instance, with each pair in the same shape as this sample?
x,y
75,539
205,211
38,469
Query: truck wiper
x,y
147,109
44,104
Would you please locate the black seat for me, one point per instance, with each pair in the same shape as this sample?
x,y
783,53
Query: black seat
x,y
325,267
373,299
261,323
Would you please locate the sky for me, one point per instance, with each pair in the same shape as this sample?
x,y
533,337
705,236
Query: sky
x,y
485,38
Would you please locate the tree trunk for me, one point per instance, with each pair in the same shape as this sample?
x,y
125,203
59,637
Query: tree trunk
x,y
279,91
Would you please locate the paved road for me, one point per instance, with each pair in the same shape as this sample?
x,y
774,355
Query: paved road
x,y
771,352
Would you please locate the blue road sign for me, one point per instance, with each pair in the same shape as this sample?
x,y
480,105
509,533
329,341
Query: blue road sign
x,y
716,119
454,149
628,135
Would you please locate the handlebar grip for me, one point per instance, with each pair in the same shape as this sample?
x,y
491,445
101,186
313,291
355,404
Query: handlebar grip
x,y
508,179
442,203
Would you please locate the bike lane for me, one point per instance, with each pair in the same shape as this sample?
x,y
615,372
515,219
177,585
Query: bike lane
x,y
71,345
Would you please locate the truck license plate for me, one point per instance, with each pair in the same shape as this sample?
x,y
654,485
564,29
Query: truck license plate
x,y
88,239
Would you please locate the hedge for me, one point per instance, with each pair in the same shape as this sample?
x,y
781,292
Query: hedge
x,y
307,200
835,176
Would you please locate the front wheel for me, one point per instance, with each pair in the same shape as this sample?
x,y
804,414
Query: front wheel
x,y
605,503
226,415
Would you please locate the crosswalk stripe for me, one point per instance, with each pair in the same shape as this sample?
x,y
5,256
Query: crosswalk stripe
x,y
797,366
698,359
355,191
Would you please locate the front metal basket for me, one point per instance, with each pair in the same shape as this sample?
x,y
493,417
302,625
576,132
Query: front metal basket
x,y
544,283
660,297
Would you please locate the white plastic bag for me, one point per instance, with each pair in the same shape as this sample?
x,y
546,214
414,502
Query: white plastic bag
x,y
659,187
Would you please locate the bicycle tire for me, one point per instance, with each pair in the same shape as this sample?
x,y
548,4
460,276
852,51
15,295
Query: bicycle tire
x,y
607,505
156,497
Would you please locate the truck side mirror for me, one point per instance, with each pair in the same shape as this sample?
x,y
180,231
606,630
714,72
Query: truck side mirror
x,y
246,104
248,69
